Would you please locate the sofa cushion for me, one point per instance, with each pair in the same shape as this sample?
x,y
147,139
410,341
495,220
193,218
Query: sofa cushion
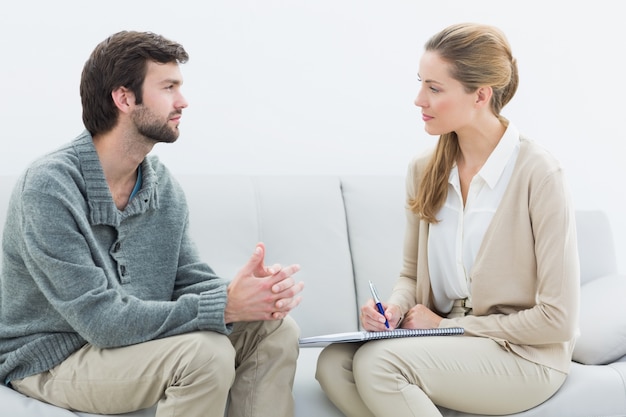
x,y
602,321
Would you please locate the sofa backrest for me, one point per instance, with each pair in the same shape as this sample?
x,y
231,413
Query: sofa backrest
x,y
343,231
301,219
376,219
596,247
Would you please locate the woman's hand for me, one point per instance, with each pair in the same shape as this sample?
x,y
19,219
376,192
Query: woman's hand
x,y
373,321
421,317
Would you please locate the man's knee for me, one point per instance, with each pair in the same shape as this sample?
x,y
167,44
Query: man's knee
x,y
275,339
205,353
289,331
285,338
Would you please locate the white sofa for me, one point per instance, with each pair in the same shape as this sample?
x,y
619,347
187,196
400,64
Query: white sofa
x,y
345,231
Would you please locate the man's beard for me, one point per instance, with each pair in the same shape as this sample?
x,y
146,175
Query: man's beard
x,y
148,125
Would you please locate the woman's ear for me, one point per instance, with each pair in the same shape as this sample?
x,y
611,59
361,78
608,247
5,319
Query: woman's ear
x,y
483,95
123,98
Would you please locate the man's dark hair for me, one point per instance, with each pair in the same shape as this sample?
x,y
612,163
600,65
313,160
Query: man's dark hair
x,y
121,61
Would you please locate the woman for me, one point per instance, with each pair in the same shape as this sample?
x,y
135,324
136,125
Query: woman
x,y
490,246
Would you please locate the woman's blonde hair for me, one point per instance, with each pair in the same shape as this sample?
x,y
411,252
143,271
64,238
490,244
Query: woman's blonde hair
x,y
478,55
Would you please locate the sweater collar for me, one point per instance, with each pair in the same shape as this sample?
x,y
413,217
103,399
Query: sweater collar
x,y
102,209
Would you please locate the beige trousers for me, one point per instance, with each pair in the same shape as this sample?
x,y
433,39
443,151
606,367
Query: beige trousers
x,y
191,375
408,376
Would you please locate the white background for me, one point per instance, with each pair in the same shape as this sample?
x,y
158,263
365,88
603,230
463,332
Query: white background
x,y
325,86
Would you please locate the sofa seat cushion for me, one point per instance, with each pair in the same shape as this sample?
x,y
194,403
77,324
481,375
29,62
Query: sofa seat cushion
x,y
602,337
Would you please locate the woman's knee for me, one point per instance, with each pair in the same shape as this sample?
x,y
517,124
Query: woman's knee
x,y
373,361
334,364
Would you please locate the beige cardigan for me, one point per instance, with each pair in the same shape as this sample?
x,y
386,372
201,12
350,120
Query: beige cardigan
x,y
525,281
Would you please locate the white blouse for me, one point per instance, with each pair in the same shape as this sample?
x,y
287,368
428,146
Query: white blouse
x,y
454,242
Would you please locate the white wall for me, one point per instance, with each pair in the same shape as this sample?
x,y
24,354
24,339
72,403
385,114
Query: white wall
x,y
325,86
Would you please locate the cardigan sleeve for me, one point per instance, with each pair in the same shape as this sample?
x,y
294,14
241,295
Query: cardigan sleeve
x,y
413,284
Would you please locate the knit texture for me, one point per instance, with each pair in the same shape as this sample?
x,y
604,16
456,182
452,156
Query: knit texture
x,y
77,270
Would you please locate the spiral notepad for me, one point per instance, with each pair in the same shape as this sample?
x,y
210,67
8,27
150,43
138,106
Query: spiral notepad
x,y
363,336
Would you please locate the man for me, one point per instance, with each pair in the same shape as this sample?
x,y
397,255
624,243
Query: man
x,y
105,306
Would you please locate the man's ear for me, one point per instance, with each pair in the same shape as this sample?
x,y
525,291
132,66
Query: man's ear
x,y
483,95
123,98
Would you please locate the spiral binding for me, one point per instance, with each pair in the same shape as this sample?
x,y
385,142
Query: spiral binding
x,y
444,331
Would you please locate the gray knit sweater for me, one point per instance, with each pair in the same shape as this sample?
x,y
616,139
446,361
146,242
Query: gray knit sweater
x,y
77,270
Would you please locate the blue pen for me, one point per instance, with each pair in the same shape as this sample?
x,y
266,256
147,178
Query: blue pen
x,y
378,303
